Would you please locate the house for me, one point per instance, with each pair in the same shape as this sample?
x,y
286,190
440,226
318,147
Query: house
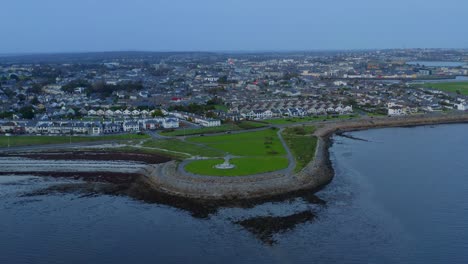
x,y
396,111
171,123
31,127
71,112
109,113
462,106
152,124
209,122
112,128
7,127
80,128
95,129
43,127
131,126
83,111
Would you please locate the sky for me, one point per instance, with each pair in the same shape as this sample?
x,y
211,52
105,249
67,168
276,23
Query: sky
x,y
49,26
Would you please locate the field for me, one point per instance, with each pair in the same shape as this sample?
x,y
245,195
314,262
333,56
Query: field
x,y
302,144
292,120
453,87
258,143
257,152
43,140
211,130
244,166
183,148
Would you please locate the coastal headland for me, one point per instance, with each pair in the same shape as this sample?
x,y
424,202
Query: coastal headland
x,y
168,177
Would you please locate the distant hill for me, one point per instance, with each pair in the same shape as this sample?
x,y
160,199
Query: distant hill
x,y
90,57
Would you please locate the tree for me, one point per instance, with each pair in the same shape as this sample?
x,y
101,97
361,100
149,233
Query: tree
x,y
27,112
6,115
70,87
14,77
34,101
35,89
157,112
21,97
223,79
210,114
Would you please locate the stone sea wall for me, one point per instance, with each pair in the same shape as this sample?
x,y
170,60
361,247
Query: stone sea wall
x,y
313,177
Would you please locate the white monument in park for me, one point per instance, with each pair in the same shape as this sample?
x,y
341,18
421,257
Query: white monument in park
x,y
226,165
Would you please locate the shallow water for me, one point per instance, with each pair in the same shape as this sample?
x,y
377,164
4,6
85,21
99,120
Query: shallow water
x,y
400,197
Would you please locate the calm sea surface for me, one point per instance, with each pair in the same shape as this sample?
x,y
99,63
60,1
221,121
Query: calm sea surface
x,y
400,196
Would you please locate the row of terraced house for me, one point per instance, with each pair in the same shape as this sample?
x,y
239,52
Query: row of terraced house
x,y
116,113
197,119
86,127
265,113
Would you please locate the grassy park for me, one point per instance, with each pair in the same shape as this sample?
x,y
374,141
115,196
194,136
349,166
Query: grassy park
x,y
257,152
244,166
452,87
183,148
292,120
211,130
43,140
254,152
302,144
258,143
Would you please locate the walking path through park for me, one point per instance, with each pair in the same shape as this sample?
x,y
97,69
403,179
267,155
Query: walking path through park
x,y
286,171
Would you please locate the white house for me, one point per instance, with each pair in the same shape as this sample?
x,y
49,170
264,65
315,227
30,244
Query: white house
x,y
462,106
209,122
131,126
170,123
396,111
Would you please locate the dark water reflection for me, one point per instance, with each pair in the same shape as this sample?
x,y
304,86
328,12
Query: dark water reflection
x,y
400,197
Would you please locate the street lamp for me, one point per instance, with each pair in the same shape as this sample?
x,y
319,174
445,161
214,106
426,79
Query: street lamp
x,y
8,137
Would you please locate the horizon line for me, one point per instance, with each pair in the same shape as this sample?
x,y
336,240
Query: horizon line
x,y
216,51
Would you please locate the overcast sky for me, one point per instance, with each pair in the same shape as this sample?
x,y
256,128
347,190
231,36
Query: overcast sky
x,y
230,25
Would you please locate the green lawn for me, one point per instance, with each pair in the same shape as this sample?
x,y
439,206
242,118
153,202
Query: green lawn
x,y
258,143
453,87
221,108
292,120
244,166
172,155
210,130
302,144
184,147
43,140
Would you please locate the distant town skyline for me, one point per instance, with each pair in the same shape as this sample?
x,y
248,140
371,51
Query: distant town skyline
x,y
52,26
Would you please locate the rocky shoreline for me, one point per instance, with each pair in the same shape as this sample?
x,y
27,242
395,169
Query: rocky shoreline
x,y
165,177
312,178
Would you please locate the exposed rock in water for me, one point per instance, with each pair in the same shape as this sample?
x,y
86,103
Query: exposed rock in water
x,y
265,227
